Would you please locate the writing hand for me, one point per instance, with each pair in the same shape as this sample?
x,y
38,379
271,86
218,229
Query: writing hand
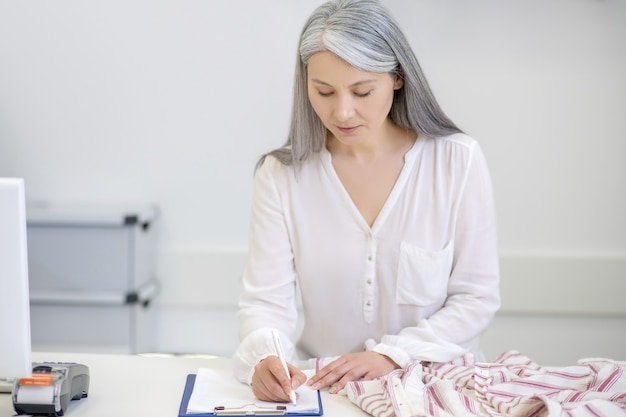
x,y
270,383
352,367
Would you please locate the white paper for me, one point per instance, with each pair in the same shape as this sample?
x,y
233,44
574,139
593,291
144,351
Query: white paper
x,y
219,388
33,394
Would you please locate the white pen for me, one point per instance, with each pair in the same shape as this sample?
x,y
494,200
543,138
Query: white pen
x,y
281,355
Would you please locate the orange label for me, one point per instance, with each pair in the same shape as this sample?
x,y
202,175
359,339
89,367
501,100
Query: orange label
x,y
39,380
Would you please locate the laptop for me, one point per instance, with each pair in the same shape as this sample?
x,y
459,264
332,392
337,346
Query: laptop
x,y
15,342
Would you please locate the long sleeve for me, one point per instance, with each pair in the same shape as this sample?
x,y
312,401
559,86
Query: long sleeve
x,y
269,296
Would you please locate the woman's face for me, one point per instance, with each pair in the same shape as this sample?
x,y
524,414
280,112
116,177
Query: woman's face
x,y
352,104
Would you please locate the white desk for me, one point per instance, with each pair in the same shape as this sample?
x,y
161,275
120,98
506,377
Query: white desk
x,y
128,385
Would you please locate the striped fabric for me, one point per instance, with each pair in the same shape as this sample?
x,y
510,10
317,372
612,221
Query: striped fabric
x,y
512,385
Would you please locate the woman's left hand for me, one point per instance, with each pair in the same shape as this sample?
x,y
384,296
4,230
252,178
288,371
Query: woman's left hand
x,y
352,367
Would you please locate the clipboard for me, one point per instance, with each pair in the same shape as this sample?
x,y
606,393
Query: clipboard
x,y
280,410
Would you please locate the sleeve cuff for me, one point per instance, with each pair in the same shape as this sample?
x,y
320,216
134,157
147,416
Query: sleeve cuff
x,y
396,354
255,347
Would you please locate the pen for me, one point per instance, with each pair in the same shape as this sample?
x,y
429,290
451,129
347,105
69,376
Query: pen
x,y
281,355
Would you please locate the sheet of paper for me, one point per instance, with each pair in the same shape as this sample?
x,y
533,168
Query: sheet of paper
x,y
219,388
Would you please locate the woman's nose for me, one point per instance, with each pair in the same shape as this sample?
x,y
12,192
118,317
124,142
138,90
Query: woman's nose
x,y
344,108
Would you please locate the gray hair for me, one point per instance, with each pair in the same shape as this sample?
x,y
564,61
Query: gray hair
x,y
366,36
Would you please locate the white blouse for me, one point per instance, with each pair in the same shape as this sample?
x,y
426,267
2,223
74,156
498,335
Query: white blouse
x,y
422,283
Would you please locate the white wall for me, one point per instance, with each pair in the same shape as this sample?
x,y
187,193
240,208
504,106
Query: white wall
x,y
172,102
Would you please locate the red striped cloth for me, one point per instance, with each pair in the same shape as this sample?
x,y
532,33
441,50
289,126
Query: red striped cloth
x,y
512,385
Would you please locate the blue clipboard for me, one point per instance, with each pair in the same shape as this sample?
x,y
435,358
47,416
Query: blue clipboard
x,y
220,411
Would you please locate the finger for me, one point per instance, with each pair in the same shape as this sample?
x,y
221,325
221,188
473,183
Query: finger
x,y
260,390
282,377
327,376
369,376
297,376
329,369
265,384
317,380
352,375
336,387
270,391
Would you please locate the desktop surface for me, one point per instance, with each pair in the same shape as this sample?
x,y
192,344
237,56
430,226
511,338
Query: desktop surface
x,y
135,385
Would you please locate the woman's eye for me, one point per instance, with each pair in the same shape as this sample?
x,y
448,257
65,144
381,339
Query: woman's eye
x,y
330,93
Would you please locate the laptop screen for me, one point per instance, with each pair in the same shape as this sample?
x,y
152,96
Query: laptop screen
x,y
15,344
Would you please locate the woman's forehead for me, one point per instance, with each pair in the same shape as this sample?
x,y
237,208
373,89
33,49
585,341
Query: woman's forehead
x,y
327,68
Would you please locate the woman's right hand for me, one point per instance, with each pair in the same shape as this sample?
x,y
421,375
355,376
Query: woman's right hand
x,y
270,383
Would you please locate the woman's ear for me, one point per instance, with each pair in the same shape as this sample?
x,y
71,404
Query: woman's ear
x,y
398,81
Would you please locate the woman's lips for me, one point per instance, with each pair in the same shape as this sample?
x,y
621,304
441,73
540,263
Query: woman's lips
x,y
347,129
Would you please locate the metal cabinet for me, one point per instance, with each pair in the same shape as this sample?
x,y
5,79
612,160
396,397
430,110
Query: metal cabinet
x,y
92,281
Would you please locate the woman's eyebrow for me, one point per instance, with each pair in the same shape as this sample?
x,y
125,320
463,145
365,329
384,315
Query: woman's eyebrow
x,y
361,82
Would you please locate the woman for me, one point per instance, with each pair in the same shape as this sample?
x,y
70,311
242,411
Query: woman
x,y
378,209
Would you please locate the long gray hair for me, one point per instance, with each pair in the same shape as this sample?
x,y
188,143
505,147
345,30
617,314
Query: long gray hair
x,y
366,36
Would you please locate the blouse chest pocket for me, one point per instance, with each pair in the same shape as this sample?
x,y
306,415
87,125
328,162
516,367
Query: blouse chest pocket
x,y
423,275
